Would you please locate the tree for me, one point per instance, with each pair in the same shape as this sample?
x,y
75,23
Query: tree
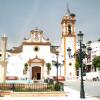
x,y
77,64
96,62
77,55
25,69
48,65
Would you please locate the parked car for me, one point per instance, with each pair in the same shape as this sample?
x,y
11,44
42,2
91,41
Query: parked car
x,y
95,76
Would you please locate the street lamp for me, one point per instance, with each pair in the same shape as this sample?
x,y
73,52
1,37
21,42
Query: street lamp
x,y
89,56
61,64
80,39
89,50
56,63
83,47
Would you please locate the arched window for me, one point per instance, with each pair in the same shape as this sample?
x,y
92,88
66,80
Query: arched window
x,y
69,29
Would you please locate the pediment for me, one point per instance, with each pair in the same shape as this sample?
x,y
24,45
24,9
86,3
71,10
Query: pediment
x,y
36,37
36,60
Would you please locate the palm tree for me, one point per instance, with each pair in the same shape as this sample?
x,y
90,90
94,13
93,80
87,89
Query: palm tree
x,y
26,68
48,65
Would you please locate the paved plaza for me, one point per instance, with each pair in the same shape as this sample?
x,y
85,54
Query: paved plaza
x,y
71,94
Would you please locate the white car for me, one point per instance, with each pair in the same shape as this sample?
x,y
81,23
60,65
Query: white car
x,y
95,76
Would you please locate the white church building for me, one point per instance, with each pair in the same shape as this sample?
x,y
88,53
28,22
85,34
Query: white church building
x,y
37,51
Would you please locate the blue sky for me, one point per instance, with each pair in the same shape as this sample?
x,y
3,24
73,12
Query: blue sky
x,y
18,17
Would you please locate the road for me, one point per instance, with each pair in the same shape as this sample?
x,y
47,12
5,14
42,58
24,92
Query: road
x,y
91,88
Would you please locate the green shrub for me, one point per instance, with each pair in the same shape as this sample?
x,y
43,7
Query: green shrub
x,y
57,87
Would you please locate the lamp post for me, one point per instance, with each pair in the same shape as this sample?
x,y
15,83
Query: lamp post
x,y
83,47
80,39
89,55
61,64
56,63
89,52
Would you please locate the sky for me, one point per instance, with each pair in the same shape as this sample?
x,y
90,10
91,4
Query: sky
x,y
19,17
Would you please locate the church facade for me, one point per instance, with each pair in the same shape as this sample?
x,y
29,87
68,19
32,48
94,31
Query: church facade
x,y
33,59
34,53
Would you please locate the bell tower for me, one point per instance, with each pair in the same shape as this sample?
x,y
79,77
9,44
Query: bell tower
x,y
68,43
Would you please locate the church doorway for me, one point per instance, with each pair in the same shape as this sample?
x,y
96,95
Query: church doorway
x,y
36,73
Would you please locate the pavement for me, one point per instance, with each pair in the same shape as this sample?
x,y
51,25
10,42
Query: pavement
x,y
71,94
74,94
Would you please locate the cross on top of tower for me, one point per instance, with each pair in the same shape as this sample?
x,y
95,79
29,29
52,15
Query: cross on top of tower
x,y
68,13
67,10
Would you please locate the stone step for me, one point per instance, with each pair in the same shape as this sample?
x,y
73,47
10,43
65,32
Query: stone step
x,y
29,94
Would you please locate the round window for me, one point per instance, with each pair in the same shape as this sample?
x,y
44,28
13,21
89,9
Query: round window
x,y
36,49
70,64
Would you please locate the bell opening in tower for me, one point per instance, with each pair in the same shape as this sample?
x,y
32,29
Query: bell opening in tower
x,y
69,29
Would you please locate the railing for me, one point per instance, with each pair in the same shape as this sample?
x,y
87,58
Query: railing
x,y
36,87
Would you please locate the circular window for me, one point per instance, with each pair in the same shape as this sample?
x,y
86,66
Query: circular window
x,y
0,55
36,49
70,64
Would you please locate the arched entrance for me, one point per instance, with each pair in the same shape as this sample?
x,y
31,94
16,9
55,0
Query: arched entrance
x,y
36,72
36,68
